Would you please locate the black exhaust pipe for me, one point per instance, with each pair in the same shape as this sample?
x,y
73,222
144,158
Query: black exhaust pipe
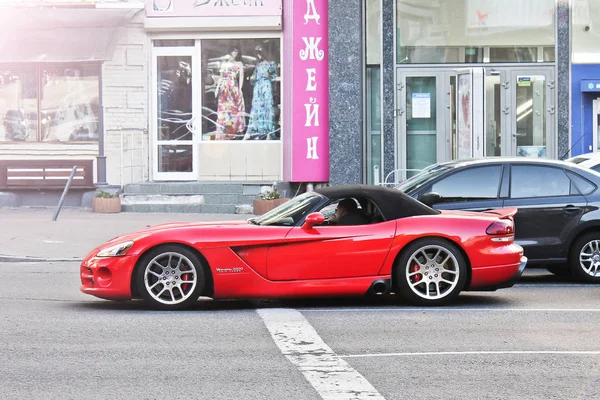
x,y
380,287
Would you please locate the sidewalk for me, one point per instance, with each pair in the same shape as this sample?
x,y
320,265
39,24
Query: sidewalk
x,y
30,232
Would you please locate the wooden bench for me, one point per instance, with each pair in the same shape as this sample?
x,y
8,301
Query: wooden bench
x,y
46,174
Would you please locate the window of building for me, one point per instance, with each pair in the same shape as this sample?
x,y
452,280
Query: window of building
x,y
241,89
474,31
49,103
373,43
481,182
585,32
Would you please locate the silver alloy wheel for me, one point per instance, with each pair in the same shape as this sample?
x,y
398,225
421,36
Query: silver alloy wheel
x,y
432,272
170,278
589,258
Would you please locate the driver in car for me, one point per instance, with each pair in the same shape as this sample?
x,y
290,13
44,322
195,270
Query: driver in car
x,y
347,213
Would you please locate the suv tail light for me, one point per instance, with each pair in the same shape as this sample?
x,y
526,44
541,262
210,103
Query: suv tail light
x,y
501,227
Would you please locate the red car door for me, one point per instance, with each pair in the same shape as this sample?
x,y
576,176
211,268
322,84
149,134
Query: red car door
x,y
331,252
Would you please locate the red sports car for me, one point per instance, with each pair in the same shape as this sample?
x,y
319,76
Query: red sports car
x,y
396,245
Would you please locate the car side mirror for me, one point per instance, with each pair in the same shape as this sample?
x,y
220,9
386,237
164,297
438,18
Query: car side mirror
x,y
430,198
313,219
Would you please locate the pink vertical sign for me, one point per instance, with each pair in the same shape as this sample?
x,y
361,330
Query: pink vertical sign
x,y
310,92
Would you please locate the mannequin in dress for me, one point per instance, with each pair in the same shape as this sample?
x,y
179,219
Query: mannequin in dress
x,y
230,108
262,114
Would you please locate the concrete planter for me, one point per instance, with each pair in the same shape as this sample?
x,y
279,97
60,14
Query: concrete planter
x,y
262,206
106,205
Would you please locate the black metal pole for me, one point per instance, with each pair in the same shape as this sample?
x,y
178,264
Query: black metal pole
x,y
101,158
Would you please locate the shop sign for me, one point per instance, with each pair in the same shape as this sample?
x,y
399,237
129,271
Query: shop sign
x,y
524,81
590,85
310,104
213,8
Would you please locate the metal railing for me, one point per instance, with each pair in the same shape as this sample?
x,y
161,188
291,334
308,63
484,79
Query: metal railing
x,y
397,176
134,141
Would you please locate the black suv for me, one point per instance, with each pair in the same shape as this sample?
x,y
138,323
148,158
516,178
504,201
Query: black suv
x,y
558,222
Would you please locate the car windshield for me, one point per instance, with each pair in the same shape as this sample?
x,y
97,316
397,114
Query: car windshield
x,y
422,178
290,212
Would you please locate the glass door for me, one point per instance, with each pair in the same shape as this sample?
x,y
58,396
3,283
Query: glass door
x,y
422,120
468,109
373,124
496,111
173,111
532,113
595,124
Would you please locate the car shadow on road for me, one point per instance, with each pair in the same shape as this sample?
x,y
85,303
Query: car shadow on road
x,y
466,299
540,275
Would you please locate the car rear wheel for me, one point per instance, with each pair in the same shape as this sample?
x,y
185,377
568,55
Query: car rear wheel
x,y
431,272
170,277
585,258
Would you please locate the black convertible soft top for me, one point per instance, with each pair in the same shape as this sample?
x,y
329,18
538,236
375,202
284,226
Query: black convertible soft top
x,y
392,203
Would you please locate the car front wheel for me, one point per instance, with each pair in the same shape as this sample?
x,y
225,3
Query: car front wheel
x,y
170,277
430,272
585,258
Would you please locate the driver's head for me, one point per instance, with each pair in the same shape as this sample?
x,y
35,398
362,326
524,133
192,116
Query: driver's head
x,y
345,206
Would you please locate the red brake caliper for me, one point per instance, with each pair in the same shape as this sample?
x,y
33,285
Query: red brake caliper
x,y
184,278
417,277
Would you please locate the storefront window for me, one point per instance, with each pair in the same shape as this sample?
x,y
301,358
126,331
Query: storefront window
x,y
241,90
69,106
68,99
18,104
585,31
463,31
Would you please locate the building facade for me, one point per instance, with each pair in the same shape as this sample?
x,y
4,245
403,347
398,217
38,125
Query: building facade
x,y
585,77
450,79
185,91
300,91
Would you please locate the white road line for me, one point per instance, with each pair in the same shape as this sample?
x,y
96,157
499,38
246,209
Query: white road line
x,y
416,309
332,377
460,353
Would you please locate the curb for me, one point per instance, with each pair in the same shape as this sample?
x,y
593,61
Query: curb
x,y
5,259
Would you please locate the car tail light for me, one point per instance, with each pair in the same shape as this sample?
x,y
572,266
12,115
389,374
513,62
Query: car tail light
x,y
501,227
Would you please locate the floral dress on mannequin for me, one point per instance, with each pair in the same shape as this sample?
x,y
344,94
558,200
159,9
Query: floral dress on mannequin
x,y
262,115
231,107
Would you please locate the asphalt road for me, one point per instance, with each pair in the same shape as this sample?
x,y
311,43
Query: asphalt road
x,y
537,340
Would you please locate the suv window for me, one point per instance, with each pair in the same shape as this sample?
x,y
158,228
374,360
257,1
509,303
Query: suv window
x,y
477,182
539,181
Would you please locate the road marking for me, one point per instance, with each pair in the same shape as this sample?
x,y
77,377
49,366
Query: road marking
x,y
444,309
460,353
332,377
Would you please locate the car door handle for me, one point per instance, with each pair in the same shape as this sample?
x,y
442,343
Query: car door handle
x,y
571,208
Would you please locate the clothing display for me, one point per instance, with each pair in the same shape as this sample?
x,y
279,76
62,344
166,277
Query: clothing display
x,y
262,114
231,107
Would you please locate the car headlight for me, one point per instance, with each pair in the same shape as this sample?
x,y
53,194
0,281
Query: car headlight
x,y
117,250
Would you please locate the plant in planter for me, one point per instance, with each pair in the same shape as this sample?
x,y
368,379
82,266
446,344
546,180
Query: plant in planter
x,y
269,199
106,202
